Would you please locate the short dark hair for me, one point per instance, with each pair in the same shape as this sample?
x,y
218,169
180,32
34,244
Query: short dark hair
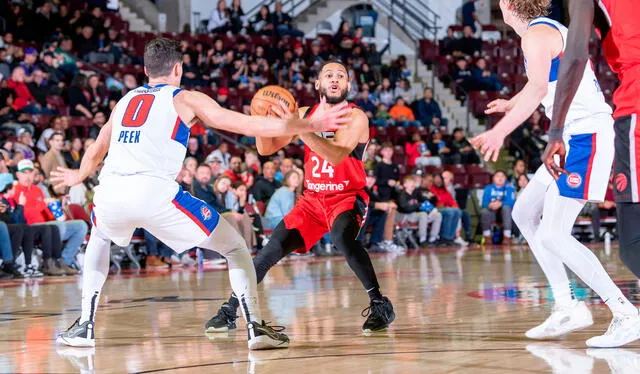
x,y
334,61
56,133
160,56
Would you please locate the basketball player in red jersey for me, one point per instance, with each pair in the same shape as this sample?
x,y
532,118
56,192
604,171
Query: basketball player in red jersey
x,y
334,200
616,23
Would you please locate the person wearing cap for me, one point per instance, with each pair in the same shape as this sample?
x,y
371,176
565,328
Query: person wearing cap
x,y
411,205
381,217
222,153
36,212
266,185
25,236
215,165
29,63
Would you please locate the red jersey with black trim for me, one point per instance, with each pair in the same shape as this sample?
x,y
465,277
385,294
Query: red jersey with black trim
x,y
320,176
617,23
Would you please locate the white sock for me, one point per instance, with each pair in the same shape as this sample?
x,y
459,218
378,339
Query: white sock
x,y
559,216
526,215
486,233
507,234
242,273
96,269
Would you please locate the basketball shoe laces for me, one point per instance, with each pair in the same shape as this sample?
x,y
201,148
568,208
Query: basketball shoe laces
x,y
375,309
615,324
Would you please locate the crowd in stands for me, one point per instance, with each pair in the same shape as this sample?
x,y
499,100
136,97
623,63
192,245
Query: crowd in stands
x,y
59,85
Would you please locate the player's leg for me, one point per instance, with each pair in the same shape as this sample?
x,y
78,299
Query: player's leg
x,y
228,242
282,242
344,233
559,216
505,212
95,272
527,214
628,217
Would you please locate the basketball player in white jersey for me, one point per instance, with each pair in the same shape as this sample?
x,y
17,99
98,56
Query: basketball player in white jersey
x,y
589,141
146,140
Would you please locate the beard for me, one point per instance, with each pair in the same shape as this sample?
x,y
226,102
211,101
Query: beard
x,y
335,99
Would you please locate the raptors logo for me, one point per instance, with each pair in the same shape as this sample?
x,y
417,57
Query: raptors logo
x,y
205,212
621,182
574,180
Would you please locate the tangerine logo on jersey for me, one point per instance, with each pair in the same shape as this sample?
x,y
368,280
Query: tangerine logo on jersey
x,y
328,187
205,212
574,180
621,182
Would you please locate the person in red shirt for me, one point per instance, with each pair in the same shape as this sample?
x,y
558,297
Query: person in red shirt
x,y
36,212
235,172
24,102
448,207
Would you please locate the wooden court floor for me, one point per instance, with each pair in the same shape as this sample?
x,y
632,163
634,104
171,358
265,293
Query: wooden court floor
x,y
457,312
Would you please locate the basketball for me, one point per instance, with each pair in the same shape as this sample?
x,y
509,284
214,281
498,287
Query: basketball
x,y
271,95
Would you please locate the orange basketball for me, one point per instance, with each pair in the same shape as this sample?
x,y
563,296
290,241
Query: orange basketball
x,y
268,96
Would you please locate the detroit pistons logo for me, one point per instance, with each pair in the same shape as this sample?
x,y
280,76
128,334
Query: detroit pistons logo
x,y
574,180
621,182
206,213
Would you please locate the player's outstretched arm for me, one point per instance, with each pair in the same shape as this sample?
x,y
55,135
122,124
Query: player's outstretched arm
x,y
569,77
193,105
269,145
538,55
344,141
63,177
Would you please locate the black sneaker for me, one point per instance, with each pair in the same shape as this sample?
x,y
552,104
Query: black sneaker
x,y
263,336
12,268
4,275
379,315
78,335
224,321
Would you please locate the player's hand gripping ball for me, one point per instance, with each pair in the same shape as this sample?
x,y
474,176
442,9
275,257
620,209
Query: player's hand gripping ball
x,y
268,97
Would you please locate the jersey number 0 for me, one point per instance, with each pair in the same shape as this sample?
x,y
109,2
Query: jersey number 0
x,y
137,110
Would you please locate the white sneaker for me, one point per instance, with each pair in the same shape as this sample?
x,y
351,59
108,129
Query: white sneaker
x,y
562,320
620,361
187,260
461,242
622,330
32,272
392,247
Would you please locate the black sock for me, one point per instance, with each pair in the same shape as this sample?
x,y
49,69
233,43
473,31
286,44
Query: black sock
x,y
374,294
234,302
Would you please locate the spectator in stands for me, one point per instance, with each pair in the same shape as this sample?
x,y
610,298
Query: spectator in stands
x,y
382,117
485,79
399,69
54,158
219,21
428,110
29,63
413,208
79,97
262,22
98,97
239,22
282,22
438,147
24,100
234,173
190,164
412,149
86,44
402,114
468,45
465,217
73,156
448,208
49,69
387,173
461,150
381,218
519,168
365,103
384,93
522,182
606,208
372,158
24,145
215,165
285,166
405,91
463,77
203,188
9,157
233,208
469,16
5,68
55,124
194,150
343,39
282,200
368,78
498,198
158,254
354,88
222,153
36,211
266,185
448,43
98,120
191,75
40,89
